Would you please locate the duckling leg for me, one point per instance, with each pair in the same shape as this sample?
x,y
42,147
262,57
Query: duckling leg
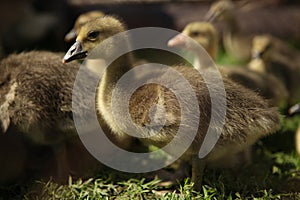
x,y
62,169
240,159
198,166
245,156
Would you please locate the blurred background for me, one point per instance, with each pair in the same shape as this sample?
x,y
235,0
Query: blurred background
x,y
37,24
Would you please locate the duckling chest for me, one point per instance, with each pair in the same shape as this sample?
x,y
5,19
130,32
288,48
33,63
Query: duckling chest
x,y
154,113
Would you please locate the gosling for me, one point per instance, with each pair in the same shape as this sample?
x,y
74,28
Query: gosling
x,y
248,116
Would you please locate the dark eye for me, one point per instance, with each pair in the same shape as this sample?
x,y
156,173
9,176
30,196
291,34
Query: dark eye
x,y
195,34
92,35
267,48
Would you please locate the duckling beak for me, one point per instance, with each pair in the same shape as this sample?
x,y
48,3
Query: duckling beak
x,y
71,36
294,109
177,41
74,53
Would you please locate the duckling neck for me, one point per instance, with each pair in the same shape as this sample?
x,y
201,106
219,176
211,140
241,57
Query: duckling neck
x,y
116,70
232,24
107,84
257,65
213,50
232,28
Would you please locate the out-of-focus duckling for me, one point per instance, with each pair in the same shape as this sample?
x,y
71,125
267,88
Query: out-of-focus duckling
x,y
237,35
206,35
263,43
248,116
36,100
81,20
269,57
203,33
236,42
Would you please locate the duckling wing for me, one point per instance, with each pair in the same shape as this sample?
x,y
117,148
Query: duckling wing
x,y
264,84
248,115
9,69
39,93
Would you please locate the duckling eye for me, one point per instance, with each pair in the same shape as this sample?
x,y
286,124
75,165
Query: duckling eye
x,y
265,50
198,34
268,47
92,35
195,34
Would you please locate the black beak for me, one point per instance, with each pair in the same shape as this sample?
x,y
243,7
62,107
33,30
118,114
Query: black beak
x,y
210,16
74,53
71,36
294,109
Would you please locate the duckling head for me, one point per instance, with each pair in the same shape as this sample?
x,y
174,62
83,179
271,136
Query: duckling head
x,y
204,33
260,52
261,47
80,21
91,35
220,11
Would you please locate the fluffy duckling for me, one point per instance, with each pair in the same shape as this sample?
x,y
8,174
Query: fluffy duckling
x,y
236,42
266,85
248,117
38,95
81,19
268,57
36,100
293,110
205,34
262,43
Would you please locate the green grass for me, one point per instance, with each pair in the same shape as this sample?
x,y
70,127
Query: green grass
x,y
271,176
227,60
274,174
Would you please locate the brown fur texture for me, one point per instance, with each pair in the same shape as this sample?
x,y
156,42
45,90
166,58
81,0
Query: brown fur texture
x,y
42,95
266,85
36,103
241,104
248,116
